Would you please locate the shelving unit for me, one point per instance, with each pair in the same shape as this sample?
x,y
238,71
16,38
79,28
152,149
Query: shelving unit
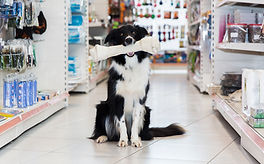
x,y
81,52
256,47
233,57
98,31
198,48
235,2
15,126
252,139
51,71
203,80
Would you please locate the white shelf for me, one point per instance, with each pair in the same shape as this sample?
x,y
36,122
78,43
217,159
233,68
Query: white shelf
x,y
233,2
195,79
251,139
76,80
71,87
251,47
195,22
15,126
198,48
95,24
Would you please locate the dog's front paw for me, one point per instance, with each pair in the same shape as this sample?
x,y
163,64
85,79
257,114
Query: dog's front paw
x,y
101,139
136,142
122,143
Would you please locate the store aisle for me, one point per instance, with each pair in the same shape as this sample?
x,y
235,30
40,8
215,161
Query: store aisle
x,y
62,138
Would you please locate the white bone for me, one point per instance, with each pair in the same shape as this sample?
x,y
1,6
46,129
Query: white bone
x,y
147,44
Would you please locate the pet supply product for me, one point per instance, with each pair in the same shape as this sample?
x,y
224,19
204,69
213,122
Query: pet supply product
x,y
167,14
230,82
10,112
254,32
256,123
22,93
257,111
236,33
2,118
9,92
147,44
252,89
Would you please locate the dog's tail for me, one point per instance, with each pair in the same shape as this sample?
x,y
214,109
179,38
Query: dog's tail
x,y
170,130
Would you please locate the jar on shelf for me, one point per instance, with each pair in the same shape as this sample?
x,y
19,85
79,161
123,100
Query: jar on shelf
x,y
237,33
254,32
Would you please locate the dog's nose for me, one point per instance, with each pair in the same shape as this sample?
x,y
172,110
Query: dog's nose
x,y
128,41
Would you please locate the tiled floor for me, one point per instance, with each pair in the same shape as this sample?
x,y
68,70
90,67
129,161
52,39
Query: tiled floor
x,y
62,139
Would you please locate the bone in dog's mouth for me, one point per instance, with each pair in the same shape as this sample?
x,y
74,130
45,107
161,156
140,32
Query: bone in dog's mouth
x,y
130,54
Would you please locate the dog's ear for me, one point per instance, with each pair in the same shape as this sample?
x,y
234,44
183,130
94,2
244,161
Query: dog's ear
x,y
141,31
110,38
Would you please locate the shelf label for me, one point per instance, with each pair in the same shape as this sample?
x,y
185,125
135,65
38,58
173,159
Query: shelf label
x,y
234,35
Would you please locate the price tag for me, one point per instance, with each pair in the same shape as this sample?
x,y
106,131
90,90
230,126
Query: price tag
x,y
234,35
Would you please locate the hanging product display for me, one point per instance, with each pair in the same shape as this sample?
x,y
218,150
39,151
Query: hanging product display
x,y
17,54
29,22
162,18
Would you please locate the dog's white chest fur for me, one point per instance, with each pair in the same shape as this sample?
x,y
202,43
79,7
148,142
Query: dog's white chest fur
x,y
135,75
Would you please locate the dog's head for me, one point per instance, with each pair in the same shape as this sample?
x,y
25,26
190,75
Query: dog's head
x,y
126,35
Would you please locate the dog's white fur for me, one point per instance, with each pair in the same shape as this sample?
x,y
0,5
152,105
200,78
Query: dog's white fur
x,y
132,88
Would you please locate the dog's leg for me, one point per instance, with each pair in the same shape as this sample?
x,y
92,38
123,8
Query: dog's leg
x,y
101,139
138,120
123,141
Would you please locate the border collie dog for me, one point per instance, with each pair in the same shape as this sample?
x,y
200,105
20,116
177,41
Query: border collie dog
x,y
124,115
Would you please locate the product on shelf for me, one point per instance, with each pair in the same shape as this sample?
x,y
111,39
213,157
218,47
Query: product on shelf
x,y
7,113
195,14
19,90
167,14
237,33
46,95
254,32
17,54
77,6
2,118
256,123
252,89
74,66
241,26
194,62
230,82
257,111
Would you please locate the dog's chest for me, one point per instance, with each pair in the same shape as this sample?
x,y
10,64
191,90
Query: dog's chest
x,y
135,77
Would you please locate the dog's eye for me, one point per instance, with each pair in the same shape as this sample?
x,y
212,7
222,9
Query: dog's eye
x,y
134,33
121,34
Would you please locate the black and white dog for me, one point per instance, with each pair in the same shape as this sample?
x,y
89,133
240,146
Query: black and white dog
x,y
124,115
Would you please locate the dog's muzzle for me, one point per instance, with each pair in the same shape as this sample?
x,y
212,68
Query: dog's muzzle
x,y
128,41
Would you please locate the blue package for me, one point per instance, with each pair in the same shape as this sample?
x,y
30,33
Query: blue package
x,y
29,93
15,91
35,91
76,6
74,35
22,94
8,94
77,20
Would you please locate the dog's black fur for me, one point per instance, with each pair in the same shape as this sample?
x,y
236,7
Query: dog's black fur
x,y
114,105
